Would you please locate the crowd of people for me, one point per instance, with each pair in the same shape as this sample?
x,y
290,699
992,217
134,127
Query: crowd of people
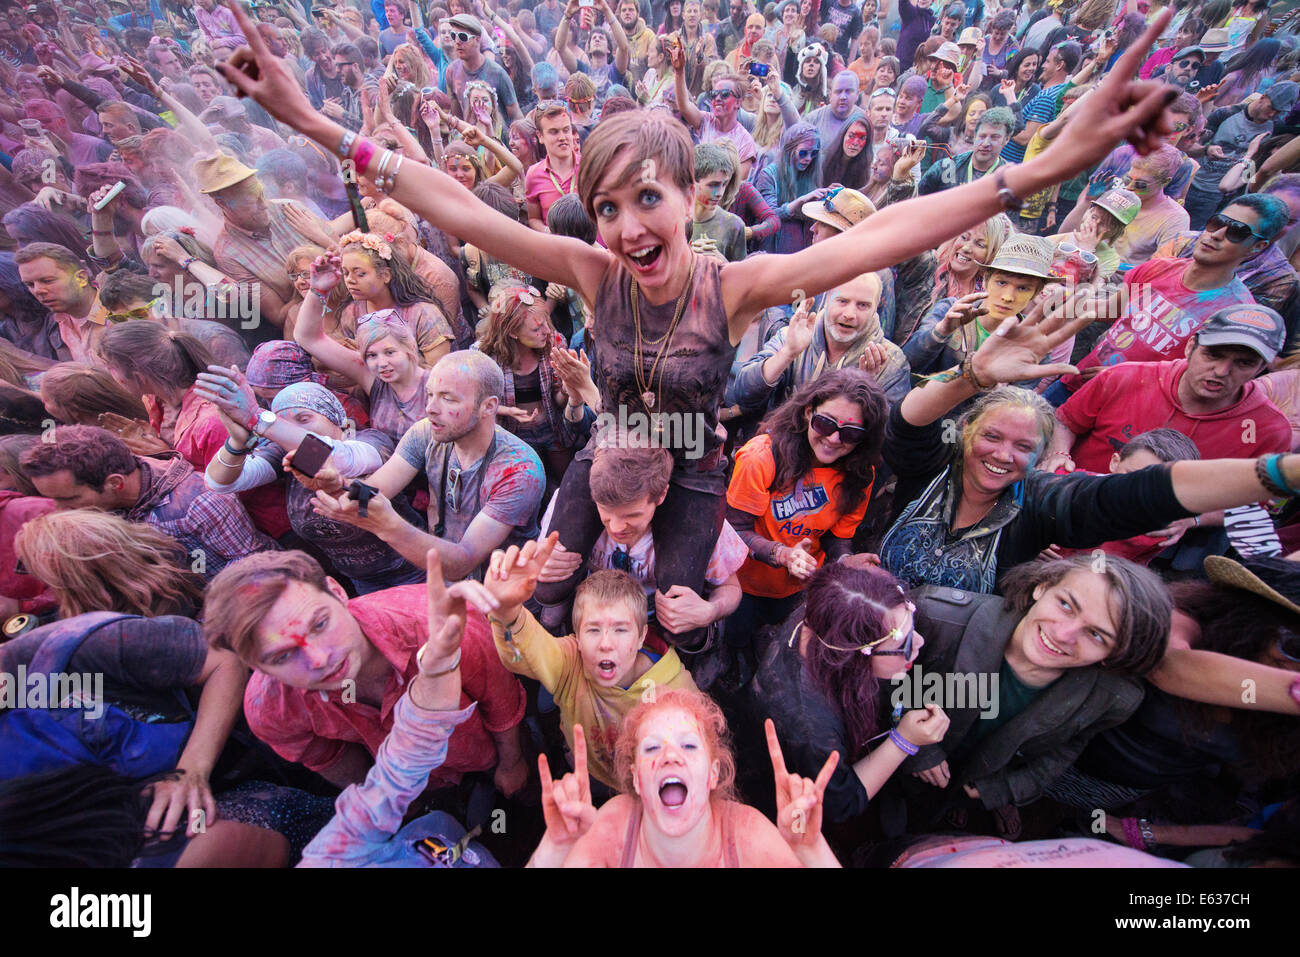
x,y
649,433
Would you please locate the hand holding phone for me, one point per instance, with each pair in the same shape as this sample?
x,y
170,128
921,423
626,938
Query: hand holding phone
x,y
311,455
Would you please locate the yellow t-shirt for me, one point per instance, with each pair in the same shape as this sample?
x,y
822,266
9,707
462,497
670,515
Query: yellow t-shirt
x,y
556,662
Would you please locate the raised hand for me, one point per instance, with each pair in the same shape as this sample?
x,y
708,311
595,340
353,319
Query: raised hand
x,y
566,803
1207,93
328,479
138,435
512,574
230,392
905,163
967,309
561,565
1015,349
799,333
254,72
1123,109
798,800
326,271
447,614
873,358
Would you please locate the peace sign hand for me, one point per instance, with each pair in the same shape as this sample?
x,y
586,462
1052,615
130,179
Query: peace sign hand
x,y
566,803
798,800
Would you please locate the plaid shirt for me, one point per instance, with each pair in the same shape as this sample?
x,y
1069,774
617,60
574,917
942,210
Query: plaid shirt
x,y
175,500
247,256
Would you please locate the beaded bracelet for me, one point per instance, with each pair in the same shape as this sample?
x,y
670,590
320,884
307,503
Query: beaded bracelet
x,y
907,747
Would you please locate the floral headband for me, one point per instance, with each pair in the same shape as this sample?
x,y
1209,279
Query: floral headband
x,y
380,247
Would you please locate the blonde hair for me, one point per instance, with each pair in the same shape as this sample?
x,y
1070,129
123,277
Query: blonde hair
x,y
507,313
98,561
1016,398
414,59
607,587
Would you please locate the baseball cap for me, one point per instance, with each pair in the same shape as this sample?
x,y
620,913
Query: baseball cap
x,y
466,22
1025,255
1190,51
948,52
1245,324
842,208
1120,203
1283,95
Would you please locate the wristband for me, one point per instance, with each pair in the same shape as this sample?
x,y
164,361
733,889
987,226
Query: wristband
x,y
186,263
1273,464
907,747
235,450
365,153
419,661
345,144
504,627
1009,200
968,372
1132,834
237,464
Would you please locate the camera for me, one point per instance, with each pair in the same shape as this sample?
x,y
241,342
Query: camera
x,y
759,70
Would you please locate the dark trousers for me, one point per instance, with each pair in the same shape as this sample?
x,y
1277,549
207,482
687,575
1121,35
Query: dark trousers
x,y
685,528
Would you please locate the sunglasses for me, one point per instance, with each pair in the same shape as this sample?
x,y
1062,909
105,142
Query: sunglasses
x,y
825,426
1138,184
342,64
462,37
139,312
1070,249
806,154
1182,127
723,95
1237,231
1187,61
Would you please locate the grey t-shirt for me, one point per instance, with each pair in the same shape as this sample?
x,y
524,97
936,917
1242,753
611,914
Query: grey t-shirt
x,y
1233,135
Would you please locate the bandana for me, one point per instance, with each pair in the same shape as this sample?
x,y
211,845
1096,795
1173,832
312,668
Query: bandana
x,y
274,365
311,396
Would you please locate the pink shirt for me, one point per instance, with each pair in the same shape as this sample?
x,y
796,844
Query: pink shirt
x,y
542,185
304,727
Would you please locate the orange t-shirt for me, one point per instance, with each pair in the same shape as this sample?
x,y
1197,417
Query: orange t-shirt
x,y
788,516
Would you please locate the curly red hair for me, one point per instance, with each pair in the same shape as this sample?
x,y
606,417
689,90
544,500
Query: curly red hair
x,y
713,725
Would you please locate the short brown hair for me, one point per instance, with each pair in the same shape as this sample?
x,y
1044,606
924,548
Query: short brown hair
x,y
1141,605
52,251
90,453
606,587
244,591
622,476
84,392
643,135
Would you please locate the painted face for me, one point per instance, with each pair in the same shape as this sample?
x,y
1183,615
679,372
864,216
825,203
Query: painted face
x,y
1142,181
480,102
362,279
973,114
851,308
856,138
387,360
55,287
1028,67
805,153
900,621
829,449
709,190
1006,443
674,773
726,102
1070,625
905,107
1008,295
609,640
461,170
452,406
988,141
882,165
643,222
1219,373
844,94
535,331
308,640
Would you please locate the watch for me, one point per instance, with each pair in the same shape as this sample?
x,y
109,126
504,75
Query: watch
x,y
1009,200
265,420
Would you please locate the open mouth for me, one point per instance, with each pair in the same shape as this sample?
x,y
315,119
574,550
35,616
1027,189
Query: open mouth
x,y
607,669
672,793
644,259
1047,645
337,673
995,470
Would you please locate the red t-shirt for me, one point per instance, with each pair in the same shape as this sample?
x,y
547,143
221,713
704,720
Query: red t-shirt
x,y
1122,402
16,510
302,726
809,510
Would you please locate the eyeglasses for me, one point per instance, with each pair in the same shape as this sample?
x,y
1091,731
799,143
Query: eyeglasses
x,y
1070,249
1187,61
1236,231
341,64
825,426
295,276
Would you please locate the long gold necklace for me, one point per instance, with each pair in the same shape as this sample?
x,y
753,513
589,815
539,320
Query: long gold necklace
x,y
643,383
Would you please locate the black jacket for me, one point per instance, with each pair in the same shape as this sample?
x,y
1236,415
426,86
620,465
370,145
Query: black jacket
x,y
967,634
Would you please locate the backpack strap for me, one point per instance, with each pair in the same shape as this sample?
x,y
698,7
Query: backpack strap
x,y
57,650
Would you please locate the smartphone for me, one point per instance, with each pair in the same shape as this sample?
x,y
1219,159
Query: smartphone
x,y
759,69
110,195
310,455
354,201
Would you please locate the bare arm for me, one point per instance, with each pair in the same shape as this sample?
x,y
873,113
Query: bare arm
x,y
622,52
309,332
1223,680
685,102
562,46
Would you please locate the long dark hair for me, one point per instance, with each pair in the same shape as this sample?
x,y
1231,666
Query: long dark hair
x,y
846,607
152,354
787,425
1013,66
1255,59
1243,625
82,816
838,168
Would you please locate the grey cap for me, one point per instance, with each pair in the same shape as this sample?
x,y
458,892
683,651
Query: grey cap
x,y
1283,95
1190,51
1245,324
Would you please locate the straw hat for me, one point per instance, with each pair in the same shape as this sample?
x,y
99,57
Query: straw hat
x,y
1264,577
219,172
842,208
1025,255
